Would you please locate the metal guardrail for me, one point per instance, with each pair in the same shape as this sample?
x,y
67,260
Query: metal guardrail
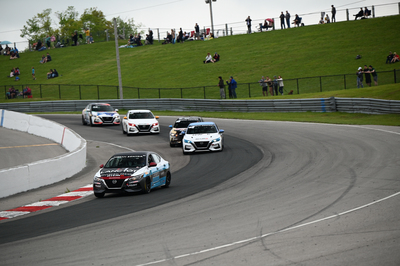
x,y
348,105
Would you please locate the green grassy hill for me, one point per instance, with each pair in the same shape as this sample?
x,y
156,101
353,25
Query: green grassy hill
x,y
328,49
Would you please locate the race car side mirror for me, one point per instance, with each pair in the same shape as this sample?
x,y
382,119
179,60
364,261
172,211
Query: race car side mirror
x,y
125,117
221,131
102,165
170,126
116,110
157,117
152,164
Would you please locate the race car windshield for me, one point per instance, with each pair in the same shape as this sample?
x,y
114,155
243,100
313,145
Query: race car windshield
x,y
141,115
201,129
182,124
126,162
101,108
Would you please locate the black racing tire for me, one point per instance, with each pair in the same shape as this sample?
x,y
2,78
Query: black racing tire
x,y
170,144
91,123
83,121
123,131
147,186
167,180
99,195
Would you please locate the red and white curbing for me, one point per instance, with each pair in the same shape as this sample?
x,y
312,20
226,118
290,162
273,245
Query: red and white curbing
x,y
48,203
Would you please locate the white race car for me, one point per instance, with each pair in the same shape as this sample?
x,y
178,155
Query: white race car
x,y
203,136
140,121
100,114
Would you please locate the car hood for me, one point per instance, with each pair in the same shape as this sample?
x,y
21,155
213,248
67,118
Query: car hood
x,y
108,113
118,172
202,137
143,121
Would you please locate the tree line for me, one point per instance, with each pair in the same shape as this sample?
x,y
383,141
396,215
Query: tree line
x,y
70,21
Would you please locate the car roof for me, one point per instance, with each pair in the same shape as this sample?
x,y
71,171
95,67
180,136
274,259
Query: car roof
x,y
203,124
139,111
100,104
189,118
136,153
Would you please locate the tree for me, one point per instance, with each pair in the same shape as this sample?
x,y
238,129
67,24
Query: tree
x,y
69,22
129,26
95,20
38,27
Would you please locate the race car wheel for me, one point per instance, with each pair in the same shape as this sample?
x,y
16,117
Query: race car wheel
x,y
167,180
171,145
99,195
91,123
83,121
147,186
123,130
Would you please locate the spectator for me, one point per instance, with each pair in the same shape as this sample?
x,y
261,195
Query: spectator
x,y
27,92
75,38
38,45
333,14
209,59
287,16
48,57
276,85
173,36
264,86
395,58
270,85
33,73
17,72
374,74
367,12
150,37
360,14
216,57
50,74
367,75
360,78
221,86
1,48
48,42
232,86
280,83
282,17
52,40
13,55
327,20
389,58
55,73
248,23
321,21
91,39
87,33
43,60
297,20
11,74
180,36
197,31
11,93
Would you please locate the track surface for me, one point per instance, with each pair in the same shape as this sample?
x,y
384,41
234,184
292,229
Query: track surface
x,y
218,213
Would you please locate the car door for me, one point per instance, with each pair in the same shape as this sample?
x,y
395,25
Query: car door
x,y
87,113
155,170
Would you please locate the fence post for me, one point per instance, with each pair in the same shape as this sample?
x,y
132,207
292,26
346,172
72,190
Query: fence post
x,y
98,93
159,93
181,94
158,34
273,24
347,14
80,93
399,8
344,76
138,93
40,86
394,72
226,25
5,91
231,31
204,91
298,92
59,91
249,90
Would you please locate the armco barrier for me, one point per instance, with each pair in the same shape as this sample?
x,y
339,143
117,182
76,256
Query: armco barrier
x,y
332,104
44,172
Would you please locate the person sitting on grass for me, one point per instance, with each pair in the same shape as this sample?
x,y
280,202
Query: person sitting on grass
x,y
50,74
48,57
209,59
43,60
216,57
360,14
395,58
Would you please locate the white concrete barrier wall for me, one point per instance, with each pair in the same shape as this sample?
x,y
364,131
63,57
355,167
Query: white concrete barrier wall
x,y
25,177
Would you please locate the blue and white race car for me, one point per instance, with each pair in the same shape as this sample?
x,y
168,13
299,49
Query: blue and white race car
x,y
132,172
202,136
100,114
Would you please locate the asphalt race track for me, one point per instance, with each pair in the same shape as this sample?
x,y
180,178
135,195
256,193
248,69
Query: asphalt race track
x,y
280,193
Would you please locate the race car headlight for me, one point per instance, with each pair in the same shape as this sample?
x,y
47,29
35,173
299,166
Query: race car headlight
x,y
187,141
97,179
154,124
136,177
216,140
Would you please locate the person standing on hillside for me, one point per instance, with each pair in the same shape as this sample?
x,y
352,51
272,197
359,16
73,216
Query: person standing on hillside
x,y
280,83
360,78
33,73
87,33
374,74
333,14
287,16
232,86
197,31
221,86
263,84
248,23
367,74
282,17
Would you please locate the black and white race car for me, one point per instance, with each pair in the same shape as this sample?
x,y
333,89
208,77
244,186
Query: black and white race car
x,y
180,125
100,114
132,172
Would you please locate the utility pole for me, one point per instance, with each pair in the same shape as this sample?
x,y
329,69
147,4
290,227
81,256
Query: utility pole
x,y
121,93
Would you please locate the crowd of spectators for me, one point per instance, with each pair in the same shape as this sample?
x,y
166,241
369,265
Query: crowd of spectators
x,y
392,58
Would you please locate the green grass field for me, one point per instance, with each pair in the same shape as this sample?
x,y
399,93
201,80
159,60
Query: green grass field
x,y
162,70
